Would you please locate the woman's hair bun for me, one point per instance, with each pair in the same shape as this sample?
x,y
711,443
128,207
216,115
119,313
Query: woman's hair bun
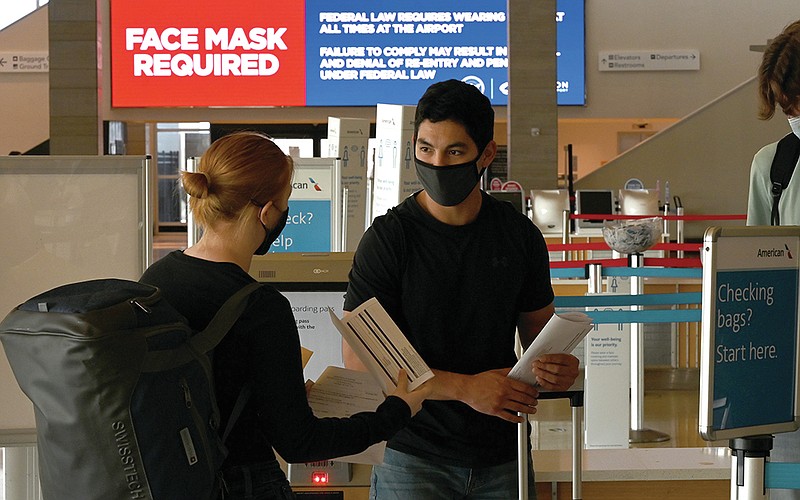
x,y
196,184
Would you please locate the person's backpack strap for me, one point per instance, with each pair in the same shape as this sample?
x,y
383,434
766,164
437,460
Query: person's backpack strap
x,y
227,315
238,408
780,172
217,328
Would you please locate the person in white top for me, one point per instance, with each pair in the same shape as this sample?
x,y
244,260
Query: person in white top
x,y
779,85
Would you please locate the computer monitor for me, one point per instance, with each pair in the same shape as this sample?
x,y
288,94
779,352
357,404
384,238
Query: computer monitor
x,y
547,209
514,197
638,201
593,201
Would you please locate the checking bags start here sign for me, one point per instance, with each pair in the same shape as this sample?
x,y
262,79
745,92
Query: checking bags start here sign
x,y
750,328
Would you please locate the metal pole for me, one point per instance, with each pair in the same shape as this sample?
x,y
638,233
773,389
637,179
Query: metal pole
x,y
637,352
522,444
193,231
679,229
638,434
595,278
565,232
748,467
577,452
345,203
522,459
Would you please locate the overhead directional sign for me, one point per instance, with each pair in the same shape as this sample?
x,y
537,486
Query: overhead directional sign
x,y
24,62
648,60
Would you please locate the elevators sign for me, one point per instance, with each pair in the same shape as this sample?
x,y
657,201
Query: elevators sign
x,y
749,352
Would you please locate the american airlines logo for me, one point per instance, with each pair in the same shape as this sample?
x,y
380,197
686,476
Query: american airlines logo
x,y
307,185
774,253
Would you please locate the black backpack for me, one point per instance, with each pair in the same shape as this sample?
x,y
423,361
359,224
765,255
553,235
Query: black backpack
x,y
780,172
122,389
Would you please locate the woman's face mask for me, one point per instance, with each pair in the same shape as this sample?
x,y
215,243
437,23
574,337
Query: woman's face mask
x,y
794,122
272,234
451,184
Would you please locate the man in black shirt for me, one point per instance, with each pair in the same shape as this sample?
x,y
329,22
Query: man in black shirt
x,y
459,272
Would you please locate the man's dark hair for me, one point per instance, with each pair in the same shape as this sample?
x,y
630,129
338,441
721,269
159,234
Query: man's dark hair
x,y
462,103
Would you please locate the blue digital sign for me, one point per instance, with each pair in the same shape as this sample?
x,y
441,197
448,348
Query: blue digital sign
x,y
362,53
570,53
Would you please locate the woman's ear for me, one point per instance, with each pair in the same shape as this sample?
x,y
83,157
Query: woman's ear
x,y
262,214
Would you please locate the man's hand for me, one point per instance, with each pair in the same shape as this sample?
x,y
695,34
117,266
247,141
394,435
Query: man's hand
x,y
493,393
555,372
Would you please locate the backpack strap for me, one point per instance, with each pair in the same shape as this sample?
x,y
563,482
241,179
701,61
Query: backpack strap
x,y
227,315
217,328
780,172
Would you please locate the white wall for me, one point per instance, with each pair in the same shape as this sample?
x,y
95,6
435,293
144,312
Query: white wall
x,y
722,30
595,141
24,97
706,157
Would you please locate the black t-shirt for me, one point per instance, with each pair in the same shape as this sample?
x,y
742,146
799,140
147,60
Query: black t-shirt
x,y
262,350
456,292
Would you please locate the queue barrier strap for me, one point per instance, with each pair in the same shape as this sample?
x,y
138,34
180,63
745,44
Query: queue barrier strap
x,y
601,245
672,262
782,475
647,316
583,263
647,299
559,271
655,272
567,272
665,217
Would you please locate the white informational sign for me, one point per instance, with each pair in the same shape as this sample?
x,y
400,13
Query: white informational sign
x,y
315,212
24,62
395,172
348,140
749,351
607,351
648,60
317,333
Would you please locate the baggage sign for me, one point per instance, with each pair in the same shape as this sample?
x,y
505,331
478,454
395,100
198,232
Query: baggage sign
x,y
749,356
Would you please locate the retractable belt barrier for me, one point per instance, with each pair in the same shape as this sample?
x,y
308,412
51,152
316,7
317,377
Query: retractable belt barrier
x,y
665,217
641,308
638,316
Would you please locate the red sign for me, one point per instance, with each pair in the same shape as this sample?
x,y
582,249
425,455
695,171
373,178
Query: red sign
x,y
203,53
511,186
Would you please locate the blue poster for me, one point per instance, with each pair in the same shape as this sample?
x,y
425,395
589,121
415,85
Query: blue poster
x,y
754,347
308,228
361,53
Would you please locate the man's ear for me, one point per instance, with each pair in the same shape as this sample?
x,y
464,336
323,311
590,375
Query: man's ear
x,y
489,152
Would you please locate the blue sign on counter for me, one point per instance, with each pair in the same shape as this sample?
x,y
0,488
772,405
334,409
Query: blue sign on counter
x,y
750,327
308,228
315,216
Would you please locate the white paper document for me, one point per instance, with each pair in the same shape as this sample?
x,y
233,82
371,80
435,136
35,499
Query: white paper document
x,y
339,392
561,334
381,346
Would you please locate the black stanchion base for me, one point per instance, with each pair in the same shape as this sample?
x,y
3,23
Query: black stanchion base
x,y
647,436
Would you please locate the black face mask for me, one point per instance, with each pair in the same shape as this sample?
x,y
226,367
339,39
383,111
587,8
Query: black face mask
x,y
451,184
272,234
